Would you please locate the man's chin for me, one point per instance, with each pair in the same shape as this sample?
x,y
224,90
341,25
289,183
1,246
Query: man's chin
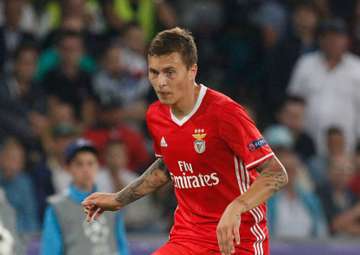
x,y
165,101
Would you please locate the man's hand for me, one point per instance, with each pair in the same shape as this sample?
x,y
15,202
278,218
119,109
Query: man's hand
x,y
228,228
95,204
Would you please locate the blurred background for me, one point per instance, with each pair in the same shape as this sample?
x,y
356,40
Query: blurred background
x,y
77,68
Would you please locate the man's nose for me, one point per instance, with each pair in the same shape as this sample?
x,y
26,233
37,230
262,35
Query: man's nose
x,y
162,80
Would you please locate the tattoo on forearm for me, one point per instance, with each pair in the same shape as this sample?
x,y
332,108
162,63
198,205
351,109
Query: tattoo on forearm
x,y
153,178
274,173
277,180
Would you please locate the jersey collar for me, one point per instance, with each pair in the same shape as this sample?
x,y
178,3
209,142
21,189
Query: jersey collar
x,y
200,98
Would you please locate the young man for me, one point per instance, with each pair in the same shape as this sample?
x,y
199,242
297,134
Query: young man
x,y
65,228
222,169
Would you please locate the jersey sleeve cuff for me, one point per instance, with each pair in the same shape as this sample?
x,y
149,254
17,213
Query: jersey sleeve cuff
x,y
158,155
259,161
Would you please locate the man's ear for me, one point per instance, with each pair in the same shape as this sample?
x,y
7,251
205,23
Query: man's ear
x,y
193,72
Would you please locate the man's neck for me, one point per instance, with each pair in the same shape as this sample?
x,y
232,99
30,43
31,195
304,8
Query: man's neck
x,y
187,103
83,187
332,62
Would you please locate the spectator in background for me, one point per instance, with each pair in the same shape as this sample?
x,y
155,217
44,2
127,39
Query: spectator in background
x,y
133,52
115,175
11,32
110,126
355,180
348,222
335,194
76,24
28,19
291,115
54,13
205,19
329,81
114,83
67,82
52,176
65,227
270,23
62,113
18,187
8,233
355,29
141,215
271,20
335,145
280,138
23,104
295,202
50,57
324,9
149,14
301,39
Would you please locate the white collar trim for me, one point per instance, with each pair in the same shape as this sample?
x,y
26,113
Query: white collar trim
x,y
200,98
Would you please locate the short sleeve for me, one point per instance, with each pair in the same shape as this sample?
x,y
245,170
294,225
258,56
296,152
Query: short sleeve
x,y
241,135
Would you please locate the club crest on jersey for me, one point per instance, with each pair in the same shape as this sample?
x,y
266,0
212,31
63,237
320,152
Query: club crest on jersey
x,y
199,143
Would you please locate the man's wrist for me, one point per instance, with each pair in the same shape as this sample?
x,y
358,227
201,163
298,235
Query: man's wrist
x,y
242,206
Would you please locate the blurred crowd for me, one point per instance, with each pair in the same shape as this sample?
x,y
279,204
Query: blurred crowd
x,y
77,68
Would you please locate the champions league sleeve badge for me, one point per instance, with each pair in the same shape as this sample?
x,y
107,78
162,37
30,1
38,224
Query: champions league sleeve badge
x,y
199,143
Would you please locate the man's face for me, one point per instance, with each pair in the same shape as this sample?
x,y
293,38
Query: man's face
x,y
292,116
26,64
116,156
336,144
83,168
305,19
13,10
333,44
12,160
291,164
71,50
170,77
112,61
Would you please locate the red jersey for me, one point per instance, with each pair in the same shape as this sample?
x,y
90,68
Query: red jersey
x,y
211,155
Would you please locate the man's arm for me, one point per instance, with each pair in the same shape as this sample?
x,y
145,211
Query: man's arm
x,y
152,179
272,178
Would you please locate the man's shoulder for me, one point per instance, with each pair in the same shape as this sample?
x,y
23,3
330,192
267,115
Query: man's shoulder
x,y
156,109
58,198
220,102
312,57
353,60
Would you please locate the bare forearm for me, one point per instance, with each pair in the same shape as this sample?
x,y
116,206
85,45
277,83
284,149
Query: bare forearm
x,y
272,178
152,179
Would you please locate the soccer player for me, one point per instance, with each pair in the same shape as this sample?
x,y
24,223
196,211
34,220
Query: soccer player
x,y
221,167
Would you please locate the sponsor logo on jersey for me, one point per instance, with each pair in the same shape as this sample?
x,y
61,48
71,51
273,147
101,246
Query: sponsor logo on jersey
x,y
163,142
254,145
199,143
191,180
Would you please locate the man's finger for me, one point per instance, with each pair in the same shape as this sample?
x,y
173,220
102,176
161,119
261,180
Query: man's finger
x,y
89,200
221,241
98,214
90,214
229,241
236,233
94,215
